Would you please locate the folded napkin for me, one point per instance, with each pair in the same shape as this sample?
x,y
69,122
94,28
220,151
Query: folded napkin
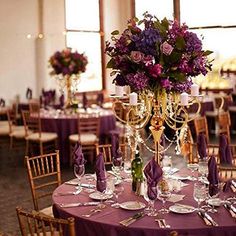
x,y
223,143
175,197
115,149
78,156
62,100
153,173
29,93
202,145
100,173
100,99
85,101
2,102
213,176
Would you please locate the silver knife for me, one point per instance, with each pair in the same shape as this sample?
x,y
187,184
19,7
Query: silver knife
x,y
231,210
65,205
210,219
202,215
132,219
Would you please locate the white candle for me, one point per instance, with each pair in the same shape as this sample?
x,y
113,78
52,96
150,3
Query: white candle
x,y
119,91
184,99
194,90
133,99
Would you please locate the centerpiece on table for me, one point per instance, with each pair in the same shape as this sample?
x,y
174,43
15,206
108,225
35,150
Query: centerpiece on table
x,y
157,60
67,65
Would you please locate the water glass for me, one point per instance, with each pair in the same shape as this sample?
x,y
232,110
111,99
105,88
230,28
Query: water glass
x,y
79,171
203,167
119,189
149,210
164,193
199,193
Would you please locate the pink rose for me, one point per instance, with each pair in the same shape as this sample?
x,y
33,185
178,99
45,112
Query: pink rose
x,y
136,56
166,48
155,70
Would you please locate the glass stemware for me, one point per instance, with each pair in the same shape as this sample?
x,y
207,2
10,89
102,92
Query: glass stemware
x,y
164,193
118,190
79,171
203,168
117,165
199,193
150,210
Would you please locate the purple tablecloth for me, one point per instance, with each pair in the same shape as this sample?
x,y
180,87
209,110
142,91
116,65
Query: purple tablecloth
x,y
65,126
106,223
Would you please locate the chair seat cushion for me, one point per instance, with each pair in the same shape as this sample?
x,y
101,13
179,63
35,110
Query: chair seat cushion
x,y
212,113
84,138
18,133
4,123
47,211
45,137
4,130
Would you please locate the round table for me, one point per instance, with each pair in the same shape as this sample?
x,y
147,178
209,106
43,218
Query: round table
x,y
106,222
65,125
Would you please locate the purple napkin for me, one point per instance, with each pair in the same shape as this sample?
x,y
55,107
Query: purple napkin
x,y
227,185
225,152
62,100
85,101
202,146
115,149
153,173
100,173
29,93
78,156
2,102
100,99
213,176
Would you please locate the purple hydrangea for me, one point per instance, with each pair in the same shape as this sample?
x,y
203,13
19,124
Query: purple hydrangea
x,y
120,80
182,87
193,43
138,81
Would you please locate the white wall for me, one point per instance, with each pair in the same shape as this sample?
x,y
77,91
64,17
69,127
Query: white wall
x,y
24,62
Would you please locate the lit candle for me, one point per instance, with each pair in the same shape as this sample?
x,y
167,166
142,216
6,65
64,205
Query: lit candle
x,y
184,99
133,99
119,91
194,90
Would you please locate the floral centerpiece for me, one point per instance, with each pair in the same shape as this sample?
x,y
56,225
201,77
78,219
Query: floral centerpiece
x,y
157,59
156,55
66,65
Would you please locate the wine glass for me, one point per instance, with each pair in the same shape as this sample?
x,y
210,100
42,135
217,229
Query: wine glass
x,y
167,164
203,168
164,193
118,190
150,210
117,165
79,171
199,193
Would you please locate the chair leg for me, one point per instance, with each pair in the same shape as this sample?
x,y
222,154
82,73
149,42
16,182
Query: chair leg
x,y
41,148
27,148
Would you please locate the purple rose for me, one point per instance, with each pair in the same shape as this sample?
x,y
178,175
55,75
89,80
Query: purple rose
x,y
166,48
136,56
155,70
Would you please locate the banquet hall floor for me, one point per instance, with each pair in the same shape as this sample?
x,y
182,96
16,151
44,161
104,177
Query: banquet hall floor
x,y
15,189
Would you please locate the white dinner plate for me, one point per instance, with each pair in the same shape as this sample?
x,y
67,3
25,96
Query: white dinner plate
x,y
132,205
181,177
181,209
100,196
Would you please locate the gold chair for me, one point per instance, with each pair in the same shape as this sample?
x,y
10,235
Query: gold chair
x,y
224,124
88,134
47,141
34,106
35,223
44,175
227,172
16,132
105,149
200,124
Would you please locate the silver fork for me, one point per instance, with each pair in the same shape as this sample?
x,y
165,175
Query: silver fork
x,y
93,212
162,222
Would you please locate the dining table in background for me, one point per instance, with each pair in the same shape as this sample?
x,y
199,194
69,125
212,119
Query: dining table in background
x,y
106,222
66,124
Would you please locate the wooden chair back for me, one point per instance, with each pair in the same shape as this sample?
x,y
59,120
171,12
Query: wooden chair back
x,y
35,223
224,124
44,175
200,124
31,123
227,172
105,149
34,106
88,125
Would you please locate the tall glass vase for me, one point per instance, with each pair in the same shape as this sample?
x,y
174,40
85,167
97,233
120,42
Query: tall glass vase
x,y
68,91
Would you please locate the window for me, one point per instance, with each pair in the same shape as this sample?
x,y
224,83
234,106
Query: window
x,y
84,34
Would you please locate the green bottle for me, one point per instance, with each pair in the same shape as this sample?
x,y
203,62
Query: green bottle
x,y
137,170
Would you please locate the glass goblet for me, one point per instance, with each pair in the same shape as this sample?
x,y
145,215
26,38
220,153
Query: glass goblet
x,y
150,210
117,166
164,193
199,193
203,168
119,189
79,171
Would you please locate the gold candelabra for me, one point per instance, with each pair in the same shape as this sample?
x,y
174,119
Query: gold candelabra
x,y
159,109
